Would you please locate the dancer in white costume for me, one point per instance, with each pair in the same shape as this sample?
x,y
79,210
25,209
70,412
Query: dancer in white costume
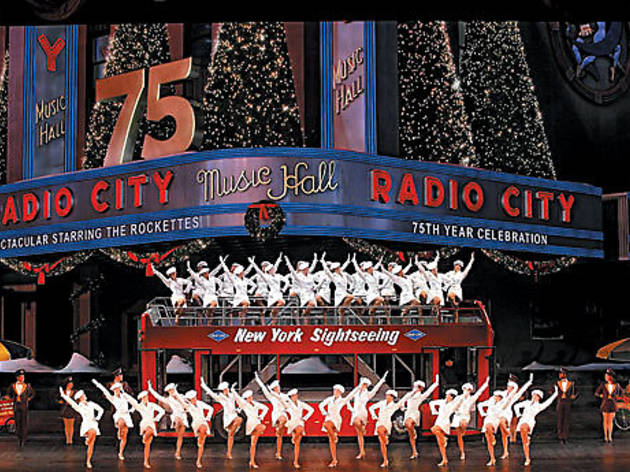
x,y
527,412
420,286
206,284
297,419
179,419
412,410
241,285
279,416
275,281
330,408
513,394
452,283
91,414
383,427
178,287
343,283
490,411
444,408
150,413
254,427
359,411
231,421
122,415
407,298
304,284
200,414
461,418
434,281
373,280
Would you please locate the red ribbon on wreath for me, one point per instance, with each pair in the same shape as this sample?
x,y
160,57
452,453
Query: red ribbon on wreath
x,y
401,256
263,214
42,270
148,261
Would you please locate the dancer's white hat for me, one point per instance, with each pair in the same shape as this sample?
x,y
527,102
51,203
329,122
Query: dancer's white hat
x,y
511,383
247,394
365,380
265,264
397,268
171,270
334,265
339,387
419,383
393,393
223,385
498,393
115,385
204,270
190,394
468,386
79,394
238,270
170,386
539,393
292,392
451,391
302,265
142,394
365,265
274,384
459,263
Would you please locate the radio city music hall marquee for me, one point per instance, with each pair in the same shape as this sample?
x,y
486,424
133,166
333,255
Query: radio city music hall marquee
x,y
322,192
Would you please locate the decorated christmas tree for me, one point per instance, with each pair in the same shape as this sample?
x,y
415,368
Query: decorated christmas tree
x,y
505,117
433,121
249,99
133,46
4,109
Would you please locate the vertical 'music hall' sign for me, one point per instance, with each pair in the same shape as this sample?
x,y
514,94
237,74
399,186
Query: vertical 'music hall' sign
x,y
46,90
348,85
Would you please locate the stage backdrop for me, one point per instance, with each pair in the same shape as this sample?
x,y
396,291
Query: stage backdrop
x,y
322,192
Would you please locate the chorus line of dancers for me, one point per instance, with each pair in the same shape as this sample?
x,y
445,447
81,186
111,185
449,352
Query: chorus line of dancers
x,y
289,415
370,285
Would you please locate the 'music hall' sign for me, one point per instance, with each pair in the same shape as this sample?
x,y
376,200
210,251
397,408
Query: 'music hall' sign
x,y
322,192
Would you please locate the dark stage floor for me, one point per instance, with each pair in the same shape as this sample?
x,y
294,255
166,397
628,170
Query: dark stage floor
x,y
47,454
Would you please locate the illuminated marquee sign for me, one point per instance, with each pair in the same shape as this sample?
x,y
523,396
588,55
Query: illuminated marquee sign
x,y
322,192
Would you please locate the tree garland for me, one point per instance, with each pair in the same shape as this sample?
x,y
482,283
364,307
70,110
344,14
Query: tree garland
x,y
530,267
92,284
41,270
149,260
377,251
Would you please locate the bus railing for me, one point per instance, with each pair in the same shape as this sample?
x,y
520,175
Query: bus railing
x,y
163,314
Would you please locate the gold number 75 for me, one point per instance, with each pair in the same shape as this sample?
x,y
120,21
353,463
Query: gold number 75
x,y
132,86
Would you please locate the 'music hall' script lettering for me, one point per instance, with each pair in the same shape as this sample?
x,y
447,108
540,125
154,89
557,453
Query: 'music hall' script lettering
x,y
294,179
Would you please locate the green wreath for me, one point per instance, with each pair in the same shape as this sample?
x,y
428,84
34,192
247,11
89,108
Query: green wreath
x,y
264,220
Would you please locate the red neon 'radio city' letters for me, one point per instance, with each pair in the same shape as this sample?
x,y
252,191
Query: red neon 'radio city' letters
x,y
567,205
431,183
380,191
407,190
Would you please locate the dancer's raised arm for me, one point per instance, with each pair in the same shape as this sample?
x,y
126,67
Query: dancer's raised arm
x,y
378,385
